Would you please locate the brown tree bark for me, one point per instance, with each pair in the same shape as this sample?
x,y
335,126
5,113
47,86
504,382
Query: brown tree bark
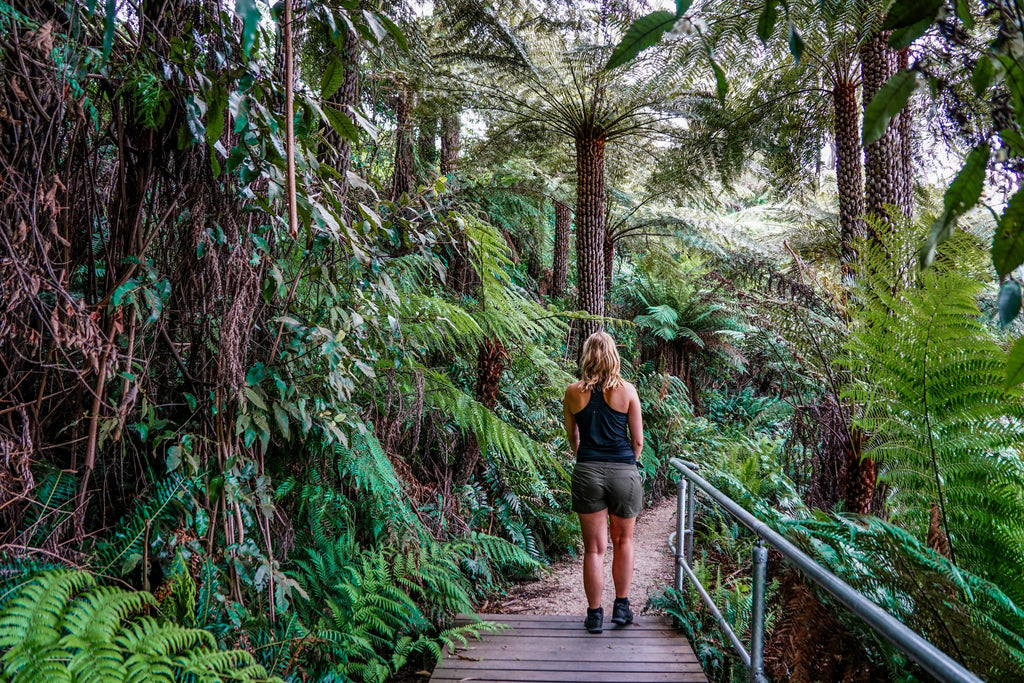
x,y
451,144
560,259
609,262
426,149
339,148
883,184
404,177
849,168
590,230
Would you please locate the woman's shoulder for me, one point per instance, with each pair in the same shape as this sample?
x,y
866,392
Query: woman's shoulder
x,y
627,387
574,389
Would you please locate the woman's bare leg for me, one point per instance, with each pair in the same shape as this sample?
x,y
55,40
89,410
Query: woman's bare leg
x,y
622,559
595,543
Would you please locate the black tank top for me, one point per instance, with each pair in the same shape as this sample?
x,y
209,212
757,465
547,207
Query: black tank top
x,y
602,432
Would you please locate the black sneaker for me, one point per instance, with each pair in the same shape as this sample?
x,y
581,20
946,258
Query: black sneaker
x,y
594,623
621,613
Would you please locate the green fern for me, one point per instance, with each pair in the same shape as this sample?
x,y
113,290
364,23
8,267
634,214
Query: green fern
x,y
930,378
62,626
121,551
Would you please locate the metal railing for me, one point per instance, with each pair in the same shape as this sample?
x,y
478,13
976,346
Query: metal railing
x,y
933,660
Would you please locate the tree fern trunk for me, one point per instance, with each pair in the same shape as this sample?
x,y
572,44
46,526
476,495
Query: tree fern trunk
x,y
491,359
450,143
590,229
609,262
560,260
404,178
849,168
426,149
882,159
339,148
490,364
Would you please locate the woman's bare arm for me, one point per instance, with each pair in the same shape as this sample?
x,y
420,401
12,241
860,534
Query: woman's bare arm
x,y
636,424
571,430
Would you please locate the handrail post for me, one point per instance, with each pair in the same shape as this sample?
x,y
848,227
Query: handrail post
x,y
680,530
691,491
760,562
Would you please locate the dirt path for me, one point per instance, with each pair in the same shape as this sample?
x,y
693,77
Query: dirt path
x,y
562,591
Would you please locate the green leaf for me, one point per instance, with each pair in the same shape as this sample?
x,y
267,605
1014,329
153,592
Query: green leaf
x,y
963,193
905,13
983,75
334,76
215,115
1008,243
682,6
173,458
796,43
721,82
341,123
109,23
249,13
903,37
1015,365
191,400
642,34
965,190
281,417
394,32
1009,302
963,12
886,103
766,23
1014,78
256,374
1013,140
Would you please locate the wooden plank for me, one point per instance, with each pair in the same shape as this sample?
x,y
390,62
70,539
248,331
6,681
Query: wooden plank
x,y
587,642
453,664
576,623
539,620
556,649
525,655
537,617
613,632
588,677
578,675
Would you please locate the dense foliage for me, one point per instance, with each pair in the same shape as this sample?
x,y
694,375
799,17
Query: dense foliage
x,y
289,296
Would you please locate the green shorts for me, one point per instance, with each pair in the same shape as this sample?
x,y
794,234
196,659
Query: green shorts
x,y
612,485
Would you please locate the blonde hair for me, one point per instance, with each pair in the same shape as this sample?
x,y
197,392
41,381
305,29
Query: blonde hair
x,y
600,364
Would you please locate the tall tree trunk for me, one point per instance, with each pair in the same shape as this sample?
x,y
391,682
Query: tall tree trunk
x,y
883,185
345,100
849,168
882,159
609,261
426,149
590,230
404,178
451,129
560,259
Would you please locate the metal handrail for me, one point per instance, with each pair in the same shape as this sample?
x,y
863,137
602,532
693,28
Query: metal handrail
x,y
933,660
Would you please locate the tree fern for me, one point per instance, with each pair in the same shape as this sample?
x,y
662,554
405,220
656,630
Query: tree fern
x,y
61,626
930,378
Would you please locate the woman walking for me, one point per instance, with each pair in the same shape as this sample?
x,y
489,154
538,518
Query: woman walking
x,y
605,430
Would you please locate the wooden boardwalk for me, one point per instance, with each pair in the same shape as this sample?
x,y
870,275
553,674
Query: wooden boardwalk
x,y
556,649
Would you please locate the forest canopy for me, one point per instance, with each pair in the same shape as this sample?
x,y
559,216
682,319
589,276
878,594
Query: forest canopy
x,y
290,293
